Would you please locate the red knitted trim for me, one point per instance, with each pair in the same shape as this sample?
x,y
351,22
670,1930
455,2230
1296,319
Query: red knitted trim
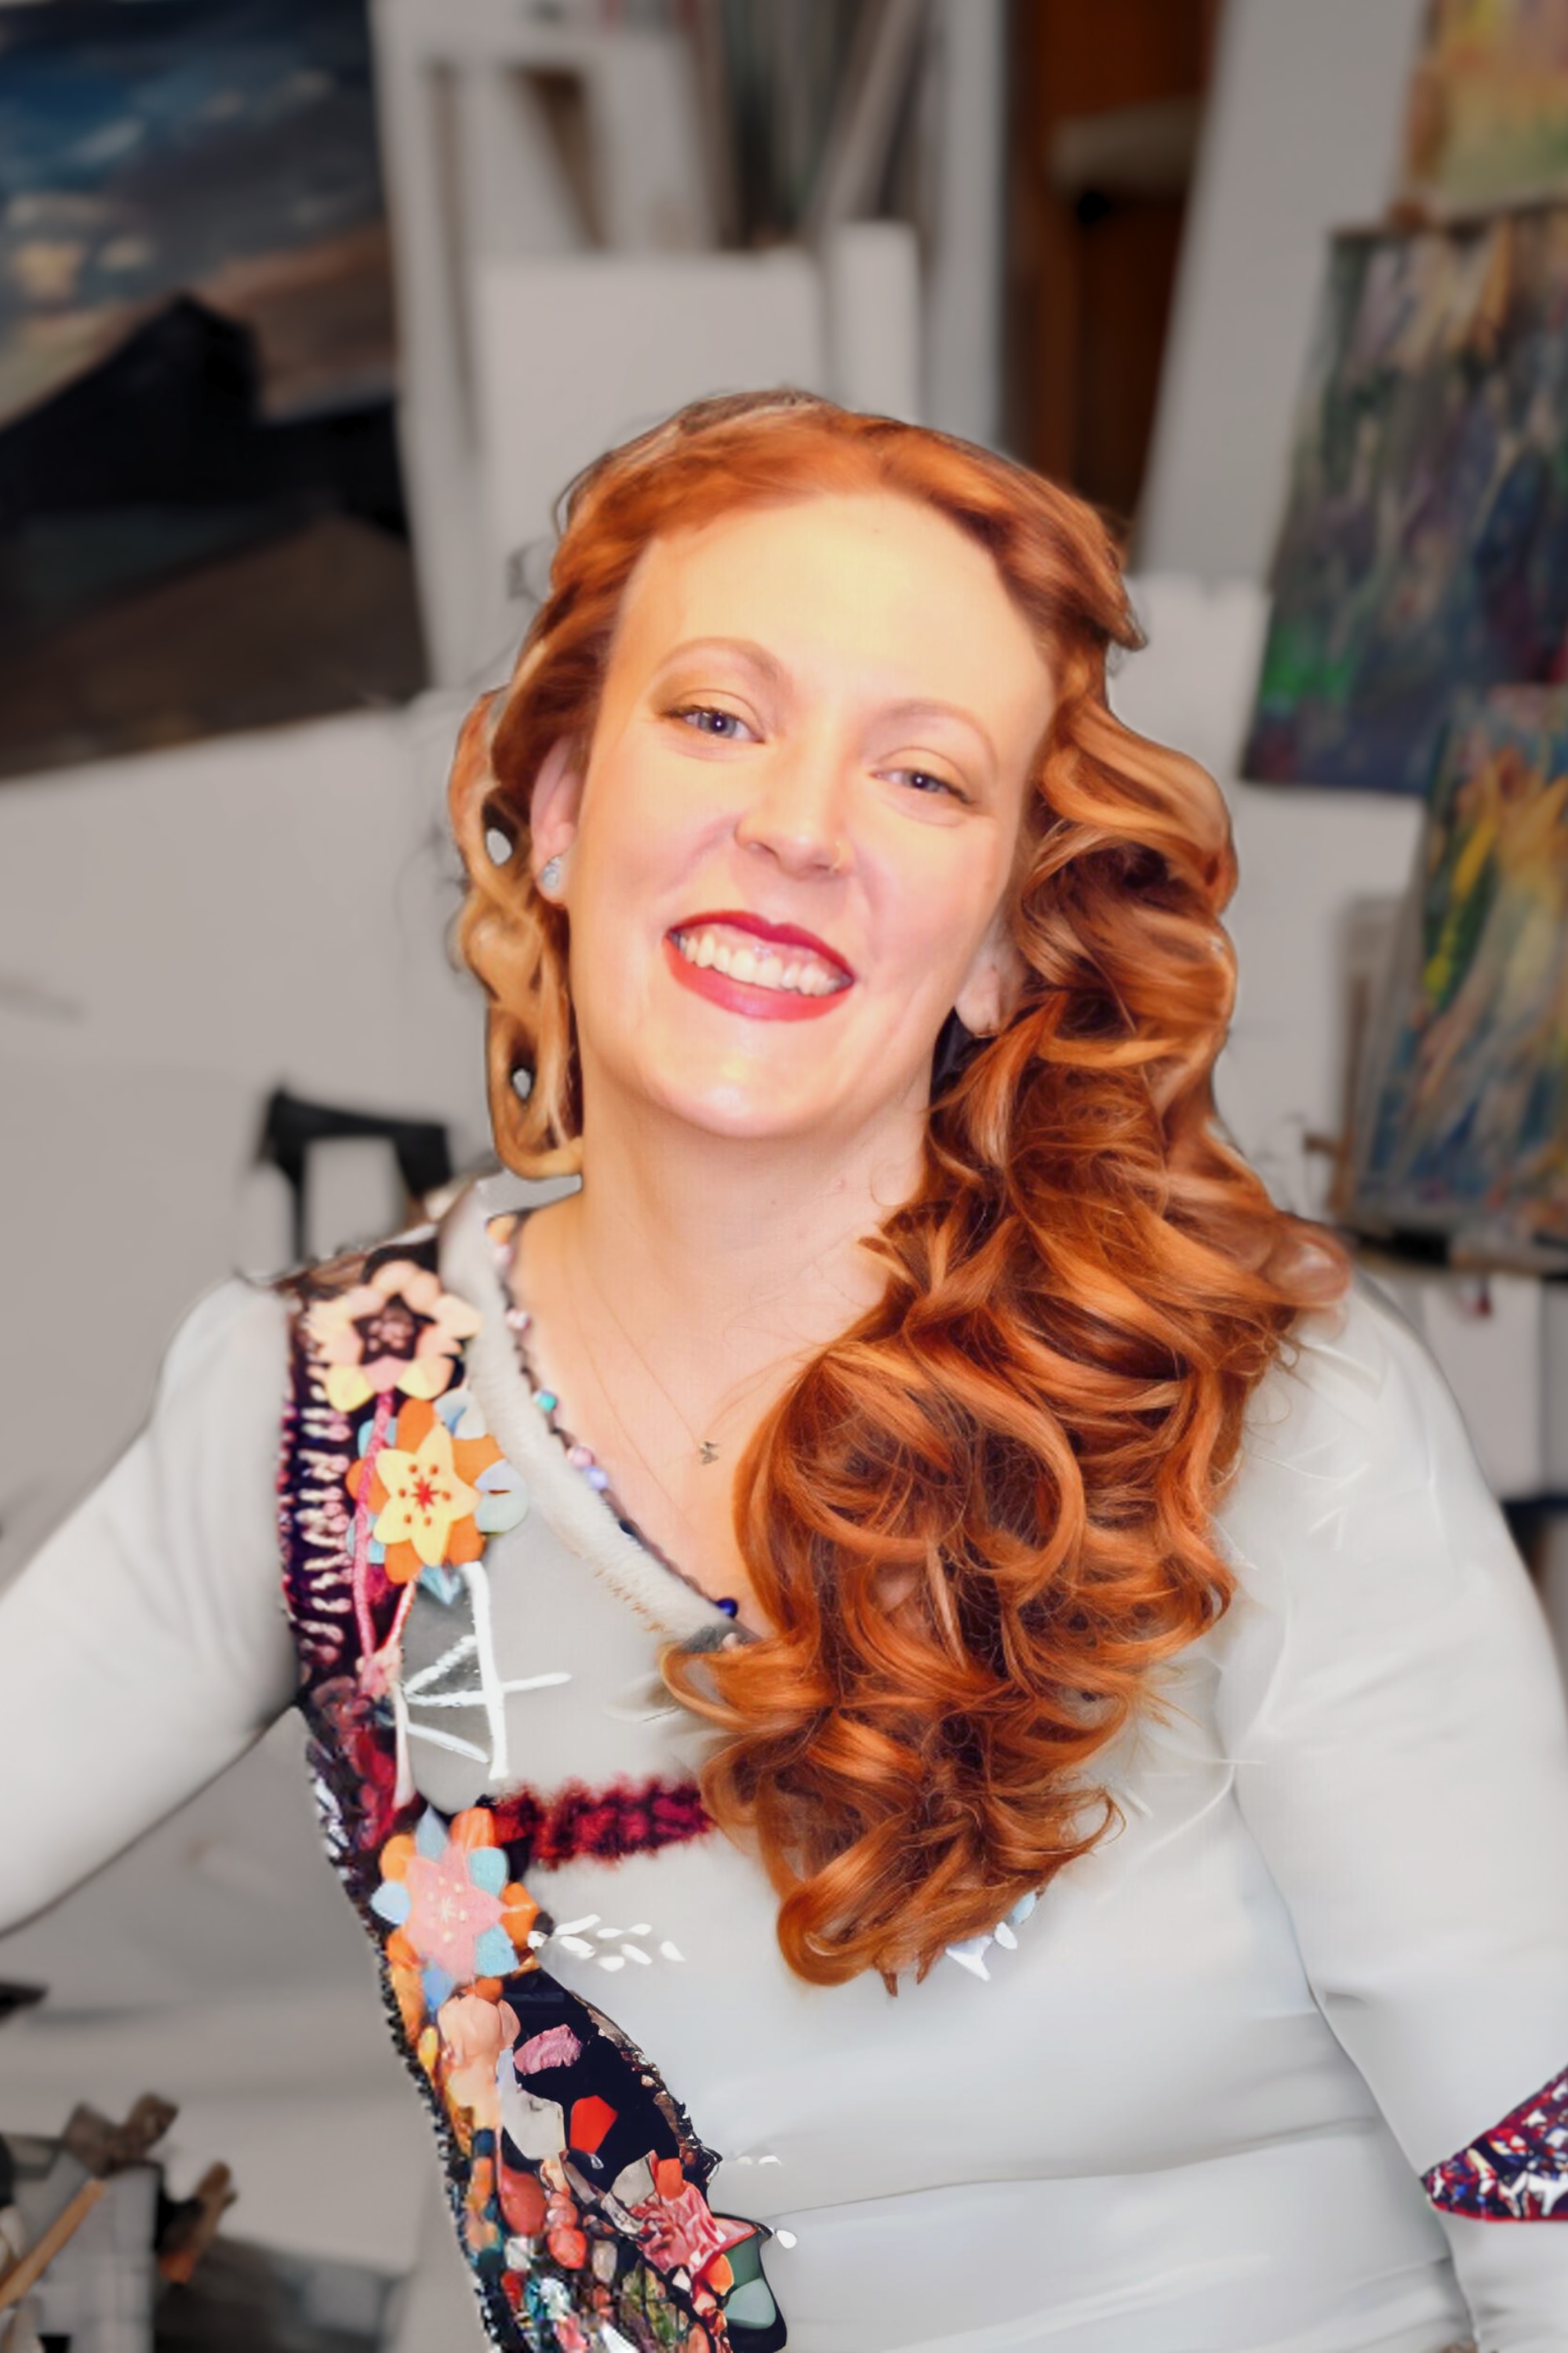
x,y
606,1824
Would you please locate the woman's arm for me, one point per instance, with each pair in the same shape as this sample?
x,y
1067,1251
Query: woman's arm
x,y
1397,1713
145,1648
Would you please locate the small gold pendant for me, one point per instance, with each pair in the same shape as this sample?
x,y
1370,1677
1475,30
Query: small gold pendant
x,y
707,1451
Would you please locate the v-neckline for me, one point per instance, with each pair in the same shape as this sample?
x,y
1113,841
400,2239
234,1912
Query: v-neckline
x,y
661,1593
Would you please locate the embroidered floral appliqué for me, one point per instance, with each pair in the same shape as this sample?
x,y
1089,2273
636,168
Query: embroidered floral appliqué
x,y
576,2181
1517,2172
448,1893
425,1492
398,1330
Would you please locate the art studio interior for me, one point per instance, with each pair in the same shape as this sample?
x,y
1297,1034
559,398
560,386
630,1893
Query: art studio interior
x,y
310,310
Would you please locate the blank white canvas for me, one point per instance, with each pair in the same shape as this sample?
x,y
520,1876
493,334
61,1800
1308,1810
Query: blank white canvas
x,y
576,354
871,279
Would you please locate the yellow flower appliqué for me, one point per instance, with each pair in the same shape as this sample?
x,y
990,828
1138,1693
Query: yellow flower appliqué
x,y
426,1498
435,1496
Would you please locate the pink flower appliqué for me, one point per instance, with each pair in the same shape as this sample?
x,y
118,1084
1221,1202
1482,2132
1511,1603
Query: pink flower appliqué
x,y
447,1898
399,1330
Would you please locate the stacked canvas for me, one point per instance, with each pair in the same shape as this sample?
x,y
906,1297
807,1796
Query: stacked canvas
x,y
1418,637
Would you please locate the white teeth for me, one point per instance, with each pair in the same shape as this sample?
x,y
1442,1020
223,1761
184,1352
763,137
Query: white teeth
x,y
763,967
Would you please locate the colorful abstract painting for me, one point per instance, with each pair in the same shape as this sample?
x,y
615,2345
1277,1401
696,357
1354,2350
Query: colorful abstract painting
x,y
1463,1124
1424,548
1487,121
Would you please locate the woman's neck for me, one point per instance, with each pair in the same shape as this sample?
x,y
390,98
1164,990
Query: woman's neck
x,y
674,1297
723,1257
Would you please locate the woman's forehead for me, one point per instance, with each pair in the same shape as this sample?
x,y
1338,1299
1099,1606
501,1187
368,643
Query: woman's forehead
x,y
832,581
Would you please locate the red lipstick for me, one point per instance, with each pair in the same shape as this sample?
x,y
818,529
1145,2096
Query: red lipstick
x,y
783,934
745,997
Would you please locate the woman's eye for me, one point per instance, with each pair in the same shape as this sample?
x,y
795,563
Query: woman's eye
x,y
726,726
923,780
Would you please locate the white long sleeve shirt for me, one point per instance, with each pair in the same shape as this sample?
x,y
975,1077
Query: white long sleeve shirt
x,y
1186,2104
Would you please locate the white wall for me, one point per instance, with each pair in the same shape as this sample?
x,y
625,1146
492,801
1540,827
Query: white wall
x,y
1302,137
180,933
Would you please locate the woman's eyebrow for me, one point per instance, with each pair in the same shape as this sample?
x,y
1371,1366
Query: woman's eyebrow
x,y
912,708
746,649
928,707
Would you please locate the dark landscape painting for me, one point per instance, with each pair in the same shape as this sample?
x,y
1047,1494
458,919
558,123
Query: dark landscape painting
x,y
201,516
224,148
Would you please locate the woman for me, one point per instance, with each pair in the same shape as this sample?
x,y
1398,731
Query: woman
x,y
939,1738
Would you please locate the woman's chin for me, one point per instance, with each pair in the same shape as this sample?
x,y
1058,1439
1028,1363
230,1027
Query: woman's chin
x,y
777,1082
749,1118
758,1105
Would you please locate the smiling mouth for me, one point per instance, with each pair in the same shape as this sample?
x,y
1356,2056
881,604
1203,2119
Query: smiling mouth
x,y
781,963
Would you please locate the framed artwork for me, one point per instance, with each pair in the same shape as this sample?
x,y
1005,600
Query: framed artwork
x,y
1487,117
1462,1128
1424,547
171,146
202,520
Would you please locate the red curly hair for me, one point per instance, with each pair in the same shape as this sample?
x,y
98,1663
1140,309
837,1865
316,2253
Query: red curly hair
x,y
979,1519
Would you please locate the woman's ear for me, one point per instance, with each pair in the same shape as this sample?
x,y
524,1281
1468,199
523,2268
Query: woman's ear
x,y
553,811
992,986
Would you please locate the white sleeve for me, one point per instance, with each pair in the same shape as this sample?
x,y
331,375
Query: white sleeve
x,y
146,1647
1396,1710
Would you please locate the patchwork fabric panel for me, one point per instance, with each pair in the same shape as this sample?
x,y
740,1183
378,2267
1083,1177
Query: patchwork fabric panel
x,y
1517,2172
576,2181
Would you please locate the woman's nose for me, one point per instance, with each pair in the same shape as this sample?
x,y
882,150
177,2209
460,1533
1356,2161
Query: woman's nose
x,y
798,814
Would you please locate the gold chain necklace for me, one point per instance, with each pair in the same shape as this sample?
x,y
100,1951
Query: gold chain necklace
x,y
628,1433
707,1449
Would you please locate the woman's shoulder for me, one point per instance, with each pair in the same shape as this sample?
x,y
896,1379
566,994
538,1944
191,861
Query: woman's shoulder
x,y
1357,1375
228,1356
1370,1556
228,1361
1355,1463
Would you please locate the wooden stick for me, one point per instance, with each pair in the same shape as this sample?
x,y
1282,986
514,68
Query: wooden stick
x,y
24,2274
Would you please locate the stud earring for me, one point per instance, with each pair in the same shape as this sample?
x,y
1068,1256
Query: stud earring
x,y
550,876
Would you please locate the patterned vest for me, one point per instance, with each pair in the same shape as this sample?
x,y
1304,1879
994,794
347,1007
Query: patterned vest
x,y
576,2181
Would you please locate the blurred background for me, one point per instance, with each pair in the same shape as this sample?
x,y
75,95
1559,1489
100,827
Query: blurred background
x,y
308,309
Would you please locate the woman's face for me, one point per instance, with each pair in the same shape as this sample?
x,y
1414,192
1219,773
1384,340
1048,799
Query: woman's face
x,y
786,860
